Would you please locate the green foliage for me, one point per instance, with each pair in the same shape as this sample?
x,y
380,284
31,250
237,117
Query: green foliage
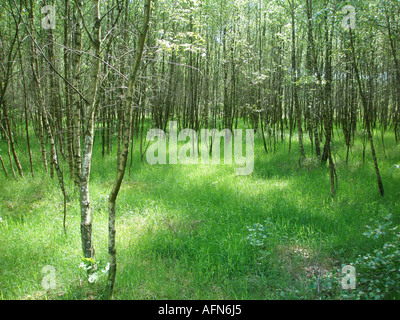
x,y
260,233
379,271
94,269
201,232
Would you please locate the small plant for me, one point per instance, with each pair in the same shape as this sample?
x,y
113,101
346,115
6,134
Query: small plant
x,y
378,273
259,233
395,170
93,269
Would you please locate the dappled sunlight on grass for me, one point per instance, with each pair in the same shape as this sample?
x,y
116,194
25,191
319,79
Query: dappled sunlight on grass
x,y
183,232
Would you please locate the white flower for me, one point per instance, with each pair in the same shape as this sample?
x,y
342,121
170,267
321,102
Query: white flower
x,y
82,265
106,268
93,278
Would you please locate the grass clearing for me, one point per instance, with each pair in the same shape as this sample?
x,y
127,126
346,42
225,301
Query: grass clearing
x,y
199,232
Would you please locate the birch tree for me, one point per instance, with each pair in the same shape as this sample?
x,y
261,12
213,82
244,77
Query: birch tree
x,y
123,156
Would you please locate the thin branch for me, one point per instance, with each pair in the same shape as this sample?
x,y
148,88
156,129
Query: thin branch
x,y
83,22
47,60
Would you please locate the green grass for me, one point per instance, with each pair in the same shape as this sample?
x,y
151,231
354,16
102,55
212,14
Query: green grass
x,y
182,231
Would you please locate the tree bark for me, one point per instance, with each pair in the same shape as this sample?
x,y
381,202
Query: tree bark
x,y
366,116
88,136
297,109
124,154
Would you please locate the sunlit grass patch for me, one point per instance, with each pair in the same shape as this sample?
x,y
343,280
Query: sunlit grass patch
x,y
198,232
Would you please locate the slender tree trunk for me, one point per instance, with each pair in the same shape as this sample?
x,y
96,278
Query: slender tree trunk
x,y
50,127
11,138
124,154
314,68
76,103
4,167
50,131
397,69
68,105
9,155
26,113
88,136
328,109
366,115
297,108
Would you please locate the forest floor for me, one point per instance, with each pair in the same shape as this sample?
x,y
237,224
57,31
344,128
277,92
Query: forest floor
x,y
198,231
